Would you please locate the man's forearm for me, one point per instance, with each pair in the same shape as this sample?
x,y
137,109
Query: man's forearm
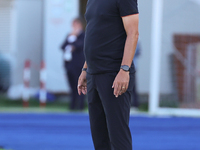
x,y
131,27
85,65
129,50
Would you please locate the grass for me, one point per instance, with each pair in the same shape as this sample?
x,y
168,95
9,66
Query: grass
x,y
143,107
61,104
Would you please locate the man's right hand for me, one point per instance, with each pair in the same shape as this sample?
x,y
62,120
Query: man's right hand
x,y
82,83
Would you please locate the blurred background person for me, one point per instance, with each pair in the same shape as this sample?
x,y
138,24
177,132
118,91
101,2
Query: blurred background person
x,y
4,73
73,60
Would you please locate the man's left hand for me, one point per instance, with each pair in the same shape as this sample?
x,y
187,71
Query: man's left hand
x,y
121,83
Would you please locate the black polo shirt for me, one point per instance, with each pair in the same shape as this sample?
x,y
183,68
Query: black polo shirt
x,y
105,34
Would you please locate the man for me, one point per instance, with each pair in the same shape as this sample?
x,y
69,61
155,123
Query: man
x,y
73,60
110,42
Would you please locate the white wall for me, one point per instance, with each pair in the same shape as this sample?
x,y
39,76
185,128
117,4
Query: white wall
x,y
183,17
21,36
57,23
180,16
5,25
143,69
28,38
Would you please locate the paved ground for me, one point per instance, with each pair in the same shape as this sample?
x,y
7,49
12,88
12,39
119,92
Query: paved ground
x,y
71,132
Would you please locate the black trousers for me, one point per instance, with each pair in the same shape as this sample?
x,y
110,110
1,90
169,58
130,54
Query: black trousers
x,y
77,102
109,116
135,98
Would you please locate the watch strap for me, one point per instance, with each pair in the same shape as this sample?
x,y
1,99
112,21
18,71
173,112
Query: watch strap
x,y
125,68
84,69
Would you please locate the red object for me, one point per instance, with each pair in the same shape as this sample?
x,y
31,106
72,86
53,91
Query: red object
x,y
26,81
43,92
42,104
25,104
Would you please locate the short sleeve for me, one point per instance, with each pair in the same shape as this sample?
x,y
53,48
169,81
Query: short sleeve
x,y
127,7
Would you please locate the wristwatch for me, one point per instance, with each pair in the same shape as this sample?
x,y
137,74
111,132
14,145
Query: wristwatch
x,y
84,69
125,68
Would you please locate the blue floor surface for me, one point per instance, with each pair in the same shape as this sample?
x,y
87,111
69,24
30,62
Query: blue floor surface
x,y
71,132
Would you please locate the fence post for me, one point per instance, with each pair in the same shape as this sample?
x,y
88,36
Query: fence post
x,y
43,92
156,40
26,81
